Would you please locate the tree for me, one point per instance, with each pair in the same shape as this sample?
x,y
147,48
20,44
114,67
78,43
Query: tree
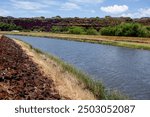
x,y
56,17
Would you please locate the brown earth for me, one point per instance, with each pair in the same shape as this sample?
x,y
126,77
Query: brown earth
x,y
20,77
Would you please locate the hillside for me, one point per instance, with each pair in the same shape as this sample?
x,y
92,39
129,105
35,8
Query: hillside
x,y
45,24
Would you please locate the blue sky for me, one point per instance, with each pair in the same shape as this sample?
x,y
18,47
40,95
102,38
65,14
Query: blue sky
x,y
75,8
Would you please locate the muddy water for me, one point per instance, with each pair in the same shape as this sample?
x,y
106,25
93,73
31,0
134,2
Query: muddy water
x,y
124,69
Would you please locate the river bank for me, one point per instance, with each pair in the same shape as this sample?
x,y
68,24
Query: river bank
x,y
129,42
35,76
65,83
69,82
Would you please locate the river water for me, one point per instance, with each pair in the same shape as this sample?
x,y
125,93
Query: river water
x,y
123,69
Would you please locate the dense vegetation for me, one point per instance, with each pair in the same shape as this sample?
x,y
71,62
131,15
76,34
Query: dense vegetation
x,y
46,24
126,29
121,26
9,27
91,31
74,30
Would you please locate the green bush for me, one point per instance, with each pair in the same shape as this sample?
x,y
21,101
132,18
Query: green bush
x,y
9,27
108,31
59,29
91,31
76,30
56,29
126,29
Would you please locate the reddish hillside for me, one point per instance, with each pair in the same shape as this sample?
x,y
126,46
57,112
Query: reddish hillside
x,y
45,24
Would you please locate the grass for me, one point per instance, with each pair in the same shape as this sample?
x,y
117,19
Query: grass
x,y
128,45
129,42
96,87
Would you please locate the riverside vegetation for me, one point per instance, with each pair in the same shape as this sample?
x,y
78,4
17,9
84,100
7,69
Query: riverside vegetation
x,y
123,29
121,32
123,35
9,27
130,42
119,26
127,29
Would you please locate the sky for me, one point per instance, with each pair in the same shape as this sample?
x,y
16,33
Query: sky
x,y
75,8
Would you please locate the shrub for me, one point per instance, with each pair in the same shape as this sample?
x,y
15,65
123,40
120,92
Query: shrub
x,y
91,31
108,31
126,29
59,29
76,30
56,29
9,27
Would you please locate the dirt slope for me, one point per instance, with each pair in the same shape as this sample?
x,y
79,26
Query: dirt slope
x,y
20,77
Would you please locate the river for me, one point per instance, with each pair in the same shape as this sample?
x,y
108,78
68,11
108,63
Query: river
x,y
123,69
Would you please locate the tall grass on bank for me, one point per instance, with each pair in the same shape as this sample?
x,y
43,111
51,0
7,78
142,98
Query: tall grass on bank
x,y
127,45
96,87
129,42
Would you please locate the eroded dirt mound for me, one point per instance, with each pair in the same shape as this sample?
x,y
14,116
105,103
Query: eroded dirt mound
x,y
20,77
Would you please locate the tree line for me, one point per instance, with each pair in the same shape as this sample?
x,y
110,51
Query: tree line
x,y
123,29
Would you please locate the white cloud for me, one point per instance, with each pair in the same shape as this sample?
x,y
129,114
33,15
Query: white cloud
x,y
87,1
140,13
28,5
144,12
3,12
116,9
69,6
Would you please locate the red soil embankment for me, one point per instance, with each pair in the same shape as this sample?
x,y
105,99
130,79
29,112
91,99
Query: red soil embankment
x,y
20,77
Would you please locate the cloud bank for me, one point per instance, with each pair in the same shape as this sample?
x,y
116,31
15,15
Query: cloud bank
x,y
115,9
